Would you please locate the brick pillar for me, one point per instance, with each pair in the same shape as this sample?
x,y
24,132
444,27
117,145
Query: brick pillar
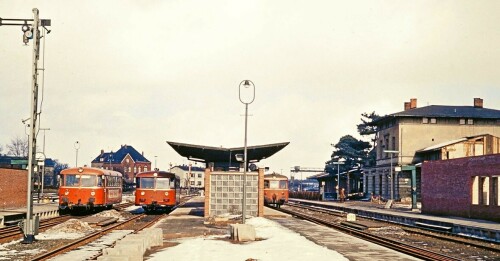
x,y
206,212
260,206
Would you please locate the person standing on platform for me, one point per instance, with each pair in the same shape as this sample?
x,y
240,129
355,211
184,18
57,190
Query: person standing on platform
x,y
342,195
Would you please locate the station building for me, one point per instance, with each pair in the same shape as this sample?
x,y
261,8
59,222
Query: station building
x,y
435,132
224,176
126,160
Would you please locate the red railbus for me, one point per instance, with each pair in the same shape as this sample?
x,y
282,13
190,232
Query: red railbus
x,y
89,189
157,190
275,189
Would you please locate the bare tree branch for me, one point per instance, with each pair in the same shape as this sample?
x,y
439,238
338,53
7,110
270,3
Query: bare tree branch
x,y
18,147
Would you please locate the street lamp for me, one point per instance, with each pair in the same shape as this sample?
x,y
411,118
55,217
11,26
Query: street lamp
x,y
248,86
155,161
77,146
392,152
340,161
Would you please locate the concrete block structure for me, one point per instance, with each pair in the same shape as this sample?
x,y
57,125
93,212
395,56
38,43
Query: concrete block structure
x,y
225,193
466,187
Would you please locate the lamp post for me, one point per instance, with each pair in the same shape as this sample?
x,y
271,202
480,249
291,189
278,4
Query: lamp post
x,y
155,161
339,162
247,86
77,146
392,152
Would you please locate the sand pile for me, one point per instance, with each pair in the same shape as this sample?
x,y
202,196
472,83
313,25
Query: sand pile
x,y
71,226
109,213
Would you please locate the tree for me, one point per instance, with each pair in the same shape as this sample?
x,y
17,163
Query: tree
x,y
354,151
1,149
18,147
366,128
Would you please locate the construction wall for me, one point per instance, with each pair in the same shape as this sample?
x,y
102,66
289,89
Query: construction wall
x,y
13,188
224,193
465,187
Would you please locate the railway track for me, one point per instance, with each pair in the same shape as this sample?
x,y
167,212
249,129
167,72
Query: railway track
x,y
15,232
93,236
383,241
441,235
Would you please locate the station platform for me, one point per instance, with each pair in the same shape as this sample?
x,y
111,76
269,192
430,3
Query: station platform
x,y
402,214
186,224
43,210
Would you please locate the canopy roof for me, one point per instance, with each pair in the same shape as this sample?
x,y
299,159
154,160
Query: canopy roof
x,y
219,154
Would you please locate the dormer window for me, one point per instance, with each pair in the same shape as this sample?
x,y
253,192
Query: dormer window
x,y
127,160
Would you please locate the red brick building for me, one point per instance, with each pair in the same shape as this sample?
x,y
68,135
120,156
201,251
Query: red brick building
x,y
465,187
126,160
13,189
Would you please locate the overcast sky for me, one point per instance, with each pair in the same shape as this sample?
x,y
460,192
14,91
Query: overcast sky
x,y
144,72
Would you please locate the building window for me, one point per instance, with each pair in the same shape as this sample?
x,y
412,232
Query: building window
x,y
127,160
394,143
485,191
470,121
135,169
192,183
199,183
462,121
145,168
139,168
475,190
199,175
494,190
425,120
192,175
433,120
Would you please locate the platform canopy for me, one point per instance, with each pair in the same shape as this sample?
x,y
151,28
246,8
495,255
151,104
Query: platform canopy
x,y
209,154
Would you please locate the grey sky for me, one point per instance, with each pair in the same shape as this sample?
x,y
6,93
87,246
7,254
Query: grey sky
x,y
144,72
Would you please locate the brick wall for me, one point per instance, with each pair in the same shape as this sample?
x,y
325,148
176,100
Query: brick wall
x,y
13,185
447,187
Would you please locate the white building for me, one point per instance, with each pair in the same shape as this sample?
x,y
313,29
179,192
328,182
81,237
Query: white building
x,y
191,176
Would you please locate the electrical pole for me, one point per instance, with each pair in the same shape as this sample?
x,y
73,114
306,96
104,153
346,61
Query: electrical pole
x,y
30,228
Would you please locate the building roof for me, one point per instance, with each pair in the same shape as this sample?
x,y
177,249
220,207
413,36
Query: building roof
x,y
450,142
118,156
219,154
445,111
186,168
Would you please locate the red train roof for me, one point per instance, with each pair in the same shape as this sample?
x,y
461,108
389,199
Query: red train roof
x,y
161,174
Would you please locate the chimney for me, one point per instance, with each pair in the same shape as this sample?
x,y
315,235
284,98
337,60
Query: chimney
x,y
478,103
413,103
102,152
407,106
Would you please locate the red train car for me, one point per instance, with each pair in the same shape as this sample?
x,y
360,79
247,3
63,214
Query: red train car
x,y
275,189
89,189
157,190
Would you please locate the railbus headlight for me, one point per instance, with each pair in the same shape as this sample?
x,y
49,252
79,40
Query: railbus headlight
x,y
92,193
142,193
166,193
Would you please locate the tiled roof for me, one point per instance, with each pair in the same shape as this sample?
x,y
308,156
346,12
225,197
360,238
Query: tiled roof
x,y
118,156
445,111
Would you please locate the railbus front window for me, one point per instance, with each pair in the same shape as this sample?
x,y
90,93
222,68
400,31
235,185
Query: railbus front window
x,y
266,183
274,184
162,183
147,183
283,184
71,180
88,180
99,181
